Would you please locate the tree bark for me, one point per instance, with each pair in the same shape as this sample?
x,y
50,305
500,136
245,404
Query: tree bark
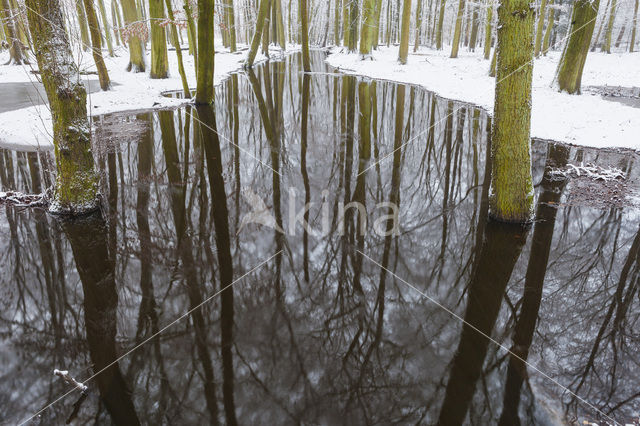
x,y
633,30
606,47
16,54
136,50
304,28
82,23
440,25
368,27
418,25
547,33
176,45
107,29
76,190
257,35
538,45
511,182
488,30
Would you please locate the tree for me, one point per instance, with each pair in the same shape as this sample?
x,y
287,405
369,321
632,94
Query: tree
x,y
257,35
176,45
404,35
105,24
336,23
458,30
76,190
488,30
304,28
418,25
82,23
606,47
440,25
633,28
574,55
547,33
136,49
159,56
96,41
368,27
206,51
511,181
16,55
538,45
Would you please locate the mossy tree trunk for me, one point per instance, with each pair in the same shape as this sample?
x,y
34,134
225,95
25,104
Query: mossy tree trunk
x,y
353,25
511,182
206,52
136,49
82,23
404,33
231,24
458,30
16,54
107,29
263,11
606,46
279,23
368,27
191,32
540,26
443,3
547,33
304,28
159,56
96,41
76,189
633,28
176,44
488,30
117,22
574,56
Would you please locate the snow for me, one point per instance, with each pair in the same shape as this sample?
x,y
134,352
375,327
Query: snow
x,y
586,120
29,128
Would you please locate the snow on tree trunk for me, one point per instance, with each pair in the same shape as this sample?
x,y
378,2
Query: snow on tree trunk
x,y
76,190
538,45
574,56
511,182
16,54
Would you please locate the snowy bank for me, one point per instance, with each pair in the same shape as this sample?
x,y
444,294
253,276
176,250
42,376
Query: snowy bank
x,y
30,128
587,119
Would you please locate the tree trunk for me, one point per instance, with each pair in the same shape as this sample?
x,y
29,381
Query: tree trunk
x,y
376,34
440,25
458,31
176,45
538,45
206,52
368,26
231,19
353,25
574,56
418,25
511,181
404,35
76,189
604,19
159,56
633,30
620,35
606,47
107,29
96,40
336,23
117,22
547,33
82,23
488,30
304,24
136,50
474,30
257,35
16,54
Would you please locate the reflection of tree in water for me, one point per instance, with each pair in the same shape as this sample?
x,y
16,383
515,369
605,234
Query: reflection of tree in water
x,y
350,344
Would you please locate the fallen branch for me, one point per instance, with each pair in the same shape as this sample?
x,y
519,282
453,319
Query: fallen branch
x,y
590,171
64,374
19,199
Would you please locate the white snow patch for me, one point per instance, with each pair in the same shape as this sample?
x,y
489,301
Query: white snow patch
x,y
586,119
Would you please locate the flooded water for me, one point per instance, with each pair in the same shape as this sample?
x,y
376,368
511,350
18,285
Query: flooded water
x,y
22,95
363,316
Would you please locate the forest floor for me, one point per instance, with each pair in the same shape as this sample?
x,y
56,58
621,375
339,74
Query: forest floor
x,y
29,128
590,119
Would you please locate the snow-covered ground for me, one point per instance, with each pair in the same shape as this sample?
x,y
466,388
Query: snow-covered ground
x,y
30,128
586,119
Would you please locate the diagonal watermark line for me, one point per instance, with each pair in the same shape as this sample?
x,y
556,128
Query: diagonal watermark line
x,y
531,61
483,334
231,142
180,318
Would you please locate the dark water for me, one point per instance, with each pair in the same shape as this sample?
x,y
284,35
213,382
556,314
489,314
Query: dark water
x,y
22,95
326,325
